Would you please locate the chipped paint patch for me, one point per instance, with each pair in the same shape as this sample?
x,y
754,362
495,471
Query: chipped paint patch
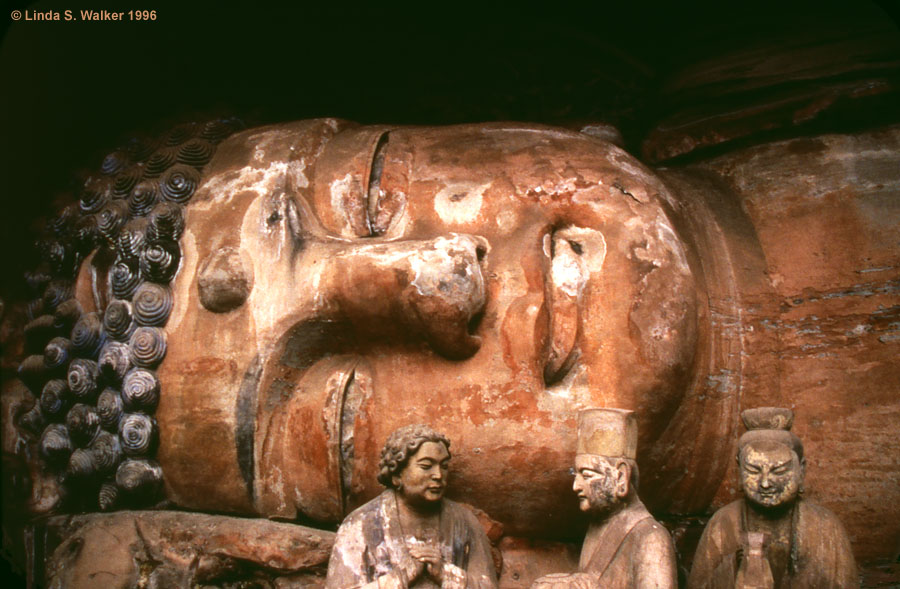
x,y
296,173
667,236
511,283
460,202
341,192
442,271
224,187
400,221
591,242
567,270
507,220
723,383
569,395
860,330
276,487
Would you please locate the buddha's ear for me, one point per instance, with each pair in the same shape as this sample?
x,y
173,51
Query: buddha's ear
x,y
395,481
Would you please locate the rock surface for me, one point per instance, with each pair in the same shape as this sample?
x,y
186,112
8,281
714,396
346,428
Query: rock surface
x,y
174,549
818,310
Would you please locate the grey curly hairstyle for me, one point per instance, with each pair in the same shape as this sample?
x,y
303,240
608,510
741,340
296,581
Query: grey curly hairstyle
x,y
401,445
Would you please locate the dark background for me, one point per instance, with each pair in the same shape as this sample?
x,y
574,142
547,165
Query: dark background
x,y
72,91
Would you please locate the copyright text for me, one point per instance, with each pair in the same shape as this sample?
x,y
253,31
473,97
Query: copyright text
x,y
83,15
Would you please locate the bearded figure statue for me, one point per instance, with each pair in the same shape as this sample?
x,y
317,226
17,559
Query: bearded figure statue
x,y
624,546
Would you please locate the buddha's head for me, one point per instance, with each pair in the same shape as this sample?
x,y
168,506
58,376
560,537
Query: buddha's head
x,y
333,282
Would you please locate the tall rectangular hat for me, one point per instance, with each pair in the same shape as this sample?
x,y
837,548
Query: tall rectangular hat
x,y
607,432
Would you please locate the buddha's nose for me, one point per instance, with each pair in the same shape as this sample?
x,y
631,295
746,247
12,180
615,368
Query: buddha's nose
x,y
432,289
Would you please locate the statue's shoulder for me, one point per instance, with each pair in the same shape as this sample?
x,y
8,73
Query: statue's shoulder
x,y
650,527
727,514
818,516
648,532
725,523
653,542
467,516
364,512
459,510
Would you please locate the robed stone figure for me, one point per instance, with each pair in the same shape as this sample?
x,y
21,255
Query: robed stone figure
x,y
410,536
772,537
624,546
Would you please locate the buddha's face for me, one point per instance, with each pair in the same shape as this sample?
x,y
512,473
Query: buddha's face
x,y
771,474
423,480
489,279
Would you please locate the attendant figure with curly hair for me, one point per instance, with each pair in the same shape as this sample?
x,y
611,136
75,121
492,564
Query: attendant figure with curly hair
x,y
410,536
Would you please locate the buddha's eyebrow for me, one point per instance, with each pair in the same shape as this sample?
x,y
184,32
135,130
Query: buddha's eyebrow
x,y
785,463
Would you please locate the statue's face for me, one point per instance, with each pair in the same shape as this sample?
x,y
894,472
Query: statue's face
x,y
519,274
598,484
771,474
423,480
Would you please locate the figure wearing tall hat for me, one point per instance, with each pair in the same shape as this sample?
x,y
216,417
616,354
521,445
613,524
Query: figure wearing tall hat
x,y
772,538
624,546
